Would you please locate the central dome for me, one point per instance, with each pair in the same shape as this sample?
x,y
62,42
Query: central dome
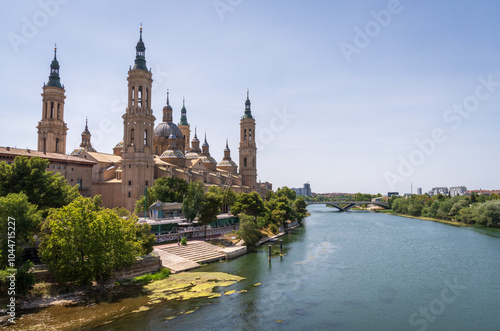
x,y
164,130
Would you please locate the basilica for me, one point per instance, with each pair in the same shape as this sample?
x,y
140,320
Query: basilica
x,y
147,151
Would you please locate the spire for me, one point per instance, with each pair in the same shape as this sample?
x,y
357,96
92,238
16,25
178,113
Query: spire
x,y
227,147
248,112
195,138
54,79
86,131
140,54
205,142
167,110
183,120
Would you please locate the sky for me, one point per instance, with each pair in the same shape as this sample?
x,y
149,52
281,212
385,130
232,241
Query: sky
x,y
350,96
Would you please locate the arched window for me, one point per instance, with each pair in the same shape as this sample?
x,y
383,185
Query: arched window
x,y
145,137
57,145
52,110
133,95
132,136
147,97
58,111
245,162
44,145
250,134
46,106
245,134
139,97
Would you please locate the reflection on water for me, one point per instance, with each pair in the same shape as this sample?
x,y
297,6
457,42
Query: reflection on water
x,y
341,271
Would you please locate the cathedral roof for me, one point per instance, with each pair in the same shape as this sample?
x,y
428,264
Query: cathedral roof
x,y
80,150
207,159
192,155
164,130
172,154
54,79
227,163
120,144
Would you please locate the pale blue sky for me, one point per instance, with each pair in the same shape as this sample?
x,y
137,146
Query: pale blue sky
x,y
343,123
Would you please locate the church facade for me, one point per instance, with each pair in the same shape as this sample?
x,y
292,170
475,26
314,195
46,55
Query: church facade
x,y
148,151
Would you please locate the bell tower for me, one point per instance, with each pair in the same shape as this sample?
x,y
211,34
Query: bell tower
x,y
138,123
52,128
248,148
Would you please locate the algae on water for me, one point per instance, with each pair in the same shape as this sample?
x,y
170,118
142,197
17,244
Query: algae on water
x,y
189,285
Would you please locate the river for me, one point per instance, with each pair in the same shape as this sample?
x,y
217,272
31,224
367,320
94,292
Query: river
x,y
351,271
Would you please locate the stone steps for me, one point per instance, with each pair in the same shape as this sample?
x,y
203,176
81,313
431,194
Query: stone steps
x,y
199,252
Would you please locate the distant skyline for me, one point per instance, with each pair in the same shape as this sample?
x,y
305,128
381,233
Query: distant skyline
x,y
361,96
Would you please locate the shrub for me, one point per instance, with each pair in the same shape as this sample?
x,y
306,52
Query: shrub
x,y
184,241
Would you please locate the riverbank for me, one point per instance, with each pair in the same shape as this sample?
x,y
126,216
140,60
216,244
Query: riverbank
x,y
390,212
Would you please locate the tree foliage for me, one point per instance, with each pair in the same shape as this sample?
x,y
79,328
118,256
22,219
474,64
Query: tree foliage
x,y
43,188
82,242
191,204
165,189
249,204
27,221
210,208
248,231
226,196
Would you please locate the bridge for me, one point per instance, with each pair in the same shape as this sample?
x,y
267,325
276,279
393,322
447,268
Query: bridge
x,y
346,205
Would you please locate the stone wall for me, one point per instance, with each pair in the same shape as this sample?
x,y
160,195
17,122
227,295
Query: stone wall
x,y
142,265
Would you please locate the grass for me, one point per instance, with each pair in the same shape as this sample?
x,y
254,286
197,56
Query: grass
x,y
161,274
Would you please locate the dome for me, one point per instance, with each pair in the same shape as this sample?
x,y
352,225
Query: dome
x,y
172,154
80,150
208,159
226,163
192,155
120,144
164,130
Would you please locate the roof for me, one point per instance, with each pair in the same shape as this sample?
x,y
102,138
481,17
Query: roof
x,y
13,152
104,157
165,206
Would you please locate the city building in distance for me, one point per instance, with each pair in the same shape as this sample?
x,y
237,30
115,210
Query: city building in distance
x,y
306,190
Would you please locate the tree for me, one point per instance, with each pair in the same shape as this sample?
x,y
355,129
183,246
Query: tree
x,y
286,192
165,189
191,204
210,208
248,231
249,204
26,221
144,237
226,195
82,242
43,188
300,207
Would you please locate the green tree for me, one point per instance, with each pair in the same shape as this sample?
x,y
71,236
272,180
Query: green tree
x,y
210,208
26,221
226,196
286,192
249,204
248,231
191,204
300,207
165,189
144,237
82,242
43,188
